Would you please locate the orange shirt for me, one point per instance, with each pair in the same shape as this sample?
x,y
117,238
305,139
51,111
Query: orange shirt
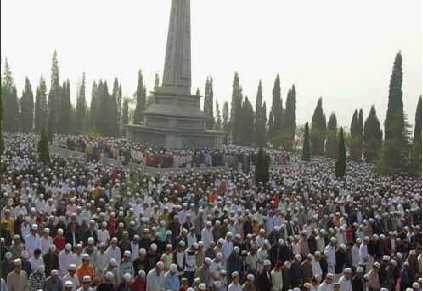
x,y
213,197
87,270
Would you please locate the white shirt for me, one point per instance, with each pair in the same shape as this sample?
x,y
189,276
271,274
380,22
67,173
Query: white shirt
x,y
355,254
325,287
234,287
73,279
65,260
45,244
344,284
364,255
114,253
206,237
155,282
32,243
103,236
316,269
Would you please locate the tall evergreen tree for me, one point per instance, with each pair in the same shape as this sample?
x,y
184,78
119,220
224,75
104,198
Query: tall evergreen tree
x,y
263,129
355,139
225,117
114,113
236,107
395,104
289,123
218,124
247,123
43,150
125,111
394,157
81,107
208,103
54,96
372,136
94,106
41,107
416,159
318,130
262,164
27,108
341,163
119,104
1,121
306,154
258,119
141,99
65,109
332,143
277,108
10,101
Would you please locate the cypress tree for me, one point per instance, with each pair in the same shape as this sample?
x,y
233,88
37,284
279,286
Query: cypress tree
x,y
236,108
341,164
65,109
41,107
306,155
332,143
394,99
141,99
218,124
318,130
10,101
54,96
94,106
125,111
416,159
395,151
27,108
208,103
262,165
354,137
372,136
81,107
247,123
258,117
225,116
1,120
263,131
43,147
289,124
114,113
277,107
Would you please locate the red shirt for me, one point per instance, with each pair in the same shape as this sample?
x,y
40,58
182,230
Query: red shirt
x,y
138,284
59,242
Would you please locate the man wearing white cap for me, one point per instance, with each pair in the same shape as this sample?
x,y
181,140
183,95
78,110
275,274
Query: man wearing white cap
x,y
69,286
207,235
53,282
71,277
66,258
114,251
171,279
204,272
126,267
17,280
156,279
86,284
235,286
327,285
249,283
265,278
101,259
32,241
345,280
330,255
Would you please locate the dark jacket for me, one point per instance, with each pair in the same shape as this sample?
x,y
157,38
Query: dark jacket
x,y
265,281
296,274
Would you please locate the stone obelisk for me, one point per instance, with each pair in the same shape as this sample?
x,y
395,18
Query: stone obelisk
x,y
177,70
175,119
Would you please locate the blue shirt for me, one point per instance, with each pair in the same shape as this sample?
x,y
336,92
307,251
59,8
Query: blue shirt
x,y
171,281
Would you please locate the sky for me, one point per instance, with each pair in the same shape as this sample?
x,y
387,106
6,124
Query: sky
x,y
342,51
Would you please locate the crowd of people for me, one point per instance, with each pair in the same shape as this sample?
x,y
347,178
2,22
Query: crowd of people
x,y
73,224
120,149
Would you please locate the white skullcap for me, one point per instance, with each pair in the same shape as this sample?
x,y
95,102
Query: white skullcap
x,y
173,268
54,272
235,274
202,286
127,277
68,284
68,247
160,265
141,273
113,262
208,261
250,277
109,276
86,279
267,263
